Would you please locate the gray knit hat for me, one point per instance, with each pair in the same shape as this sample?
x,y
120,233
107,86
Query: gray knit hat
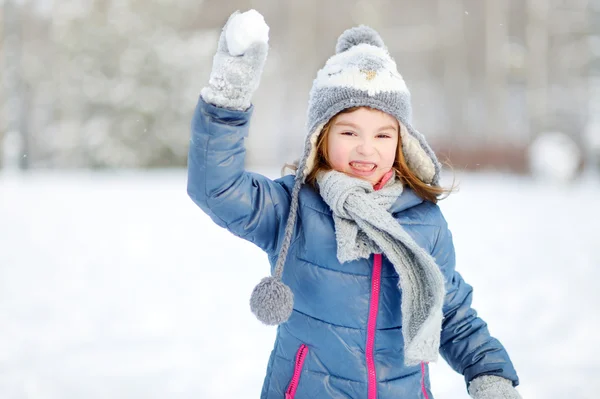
x,y
361,73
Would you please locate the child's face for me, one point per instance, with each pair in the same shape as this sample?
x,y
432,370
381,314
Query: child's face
x,y
363,143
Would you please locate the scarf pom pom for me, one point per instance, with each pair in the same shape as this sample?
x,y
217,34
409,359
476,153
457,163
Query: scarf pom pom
x,y
272,301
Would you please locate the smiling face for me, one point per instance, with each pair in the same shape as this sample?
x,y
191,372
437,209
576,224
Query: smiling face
x,y
363,143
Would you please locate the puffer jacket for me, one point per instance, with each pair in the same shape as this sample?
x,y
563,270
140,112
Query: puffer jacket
x,y
344,337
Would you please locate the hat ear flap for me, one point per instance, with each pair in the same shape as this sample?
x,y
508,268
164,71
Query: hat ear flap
x,y
308,160
419,156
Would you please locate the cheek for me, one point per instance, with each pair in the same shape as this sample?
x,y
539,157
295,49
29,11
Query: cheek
x,y
388,154
338,156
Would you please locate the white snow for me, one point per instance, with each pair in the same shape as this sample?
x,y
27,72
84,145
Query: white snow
x,y
245,29
115,285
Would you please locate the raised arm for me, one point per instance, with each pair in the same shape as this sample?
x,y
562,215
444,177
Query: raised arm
x,y
250,205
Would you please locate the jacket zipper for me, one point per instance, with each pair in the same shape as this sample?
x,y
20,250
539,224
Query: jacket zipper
x,y
423,388
373,310
300,356
372,326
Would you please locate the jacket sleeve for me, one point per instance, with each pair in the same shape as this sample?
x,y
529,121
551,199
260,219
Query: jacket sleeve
x,y
466,343
249,205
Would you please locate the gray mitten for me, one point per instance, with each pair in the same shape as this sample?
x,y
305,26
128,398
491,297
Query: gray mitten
x,y
492,387
239,61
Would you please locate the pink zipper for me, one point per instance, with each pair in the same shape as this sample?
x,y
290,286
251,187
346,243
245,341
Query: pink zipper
x,y
300,356
423,381
373,310
372,326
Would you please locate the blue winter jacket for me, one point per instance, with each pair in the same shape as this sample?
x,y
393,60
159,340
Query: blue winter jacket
x,y
321,351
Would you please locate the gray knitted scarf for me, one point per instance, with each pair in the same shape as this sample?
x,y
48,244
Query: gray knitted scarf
x,y
363,225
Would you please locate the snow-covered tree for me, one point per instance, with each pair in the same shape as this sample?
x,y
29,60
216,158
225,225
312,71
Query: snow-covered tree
x,y
124,80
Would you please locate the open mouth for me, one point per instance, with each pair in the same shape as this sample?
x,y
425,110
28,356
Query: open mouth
x,y
363,166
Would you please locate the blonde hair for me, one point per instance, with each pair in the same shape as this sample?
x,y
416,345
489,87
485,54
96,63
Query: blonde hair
x,y
403,172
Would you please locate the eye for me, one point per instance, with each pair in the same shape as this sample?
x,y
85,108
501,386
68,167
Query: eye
x,y
347,133
384,136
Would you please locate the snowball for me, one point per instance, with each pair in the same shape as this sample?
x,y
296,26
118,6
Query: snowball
x,y
245,29
554,156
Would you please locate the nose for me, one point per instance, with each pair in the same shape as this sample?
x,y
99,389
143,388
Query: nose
x,y
365,147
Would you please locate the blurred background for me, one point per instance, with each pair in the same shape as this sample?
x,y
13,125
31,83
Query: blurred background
x,y
113,284
113,84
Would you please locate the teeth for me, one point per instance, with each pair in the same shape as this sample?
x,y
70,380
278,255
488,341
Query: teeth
x,y
363,166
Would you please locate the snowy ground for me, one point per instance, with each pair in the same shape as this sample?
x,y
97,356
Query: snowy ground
x,y
117,286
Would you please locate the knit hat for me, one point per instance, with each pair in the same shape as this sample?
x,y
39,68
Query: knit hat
x,y
361,73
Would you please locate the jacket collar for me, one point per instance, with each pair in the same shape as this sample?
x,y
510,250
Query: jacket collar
x,y
406,200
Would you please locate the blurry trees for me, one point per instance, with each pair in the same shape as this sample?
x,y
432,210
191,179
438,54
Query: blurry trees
x,y
592,133
125,75
106,83
14,129
537,38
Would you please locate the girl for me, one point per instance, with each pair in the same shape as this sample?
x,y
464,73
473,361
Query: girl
x,y
369,293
